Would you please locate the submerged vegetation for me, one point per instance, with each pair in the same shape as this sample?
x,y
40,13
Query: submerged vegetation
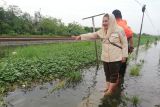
x,y
135,100
121,101
2,102
40,63
135,70
145,39
26,66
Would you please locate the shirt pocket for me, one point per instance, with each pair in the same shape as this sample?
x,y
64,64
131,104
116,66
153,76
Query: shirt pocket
x,y
114,38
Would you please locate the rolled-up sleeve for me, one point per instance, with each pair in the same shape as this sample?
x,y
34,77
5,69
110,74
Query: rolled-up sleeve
x,y
124,43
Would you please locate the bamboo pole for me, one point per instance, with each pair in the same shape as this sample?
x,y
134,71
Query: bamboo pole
x,y
139,37
92,17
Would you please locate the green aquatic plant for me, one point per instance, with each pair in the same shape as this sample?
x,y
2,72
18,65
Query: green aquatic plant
x,y
135,70
58,86
44,63
129,99
74,76
71,78
130,58
148,44
135,100
2,102
140,63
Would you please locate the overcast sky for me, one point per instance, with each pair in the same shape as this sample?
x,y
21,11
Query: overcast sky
x,y
75,10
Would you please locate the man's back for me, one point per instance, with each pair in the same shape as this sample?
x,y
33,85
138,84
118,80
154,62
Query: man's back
x,y
123,23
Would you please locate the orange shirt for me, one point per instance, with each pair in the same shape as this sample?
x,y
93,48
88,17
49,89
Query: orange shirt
x,y
127,29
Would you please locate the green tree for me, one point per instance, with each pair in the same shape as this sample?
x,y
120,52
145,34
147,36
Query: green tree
x,y
13,21
75,29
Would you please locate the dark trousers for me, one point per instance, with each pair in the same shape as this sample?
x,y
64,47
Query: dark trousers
x,y
111,70
122,72
123,69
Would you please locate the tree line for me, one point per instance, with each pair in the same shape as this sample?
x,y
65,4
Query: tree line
x,y
15,22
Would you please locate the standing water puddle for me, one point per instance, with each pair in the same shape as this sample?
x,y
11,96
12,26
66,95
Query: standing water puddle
x,y
89,92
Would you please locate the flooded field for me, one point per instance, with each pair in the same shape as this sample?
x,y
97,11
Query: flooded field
x,y
139,91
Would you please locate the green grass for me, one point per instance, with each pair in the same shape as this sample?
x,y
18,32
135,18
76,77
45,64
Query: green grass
x,y
74,77
41,63
135,100
2,102
145,39
135,71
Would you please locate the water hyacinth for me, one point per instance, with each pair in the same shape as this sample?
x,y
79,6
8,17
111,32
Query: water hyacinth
x,y
14,53
46,62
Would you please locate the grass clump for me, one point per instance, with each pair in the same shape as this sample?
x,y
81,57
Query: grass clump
x,y
135,71
2,102
135,100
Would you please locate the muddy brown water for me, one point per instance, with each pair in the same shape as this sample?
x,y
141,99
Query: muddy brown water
x,y
89,92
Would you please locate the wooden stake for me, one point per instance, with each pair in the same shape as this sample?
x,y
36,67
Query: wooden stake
x,y
94,31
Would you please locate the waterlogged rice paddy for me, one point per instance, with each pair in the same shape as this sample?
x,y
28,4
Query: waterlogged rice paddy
x,y
24,66
73,87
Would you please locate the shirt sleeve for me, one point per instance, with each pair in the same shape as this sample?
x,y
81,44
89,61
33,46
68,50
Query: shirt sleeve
x,y
89,36
124,43
128,31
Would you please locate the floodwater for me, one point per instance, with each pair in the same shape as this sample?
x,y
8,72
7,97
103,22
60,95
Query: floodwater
x,y
89,92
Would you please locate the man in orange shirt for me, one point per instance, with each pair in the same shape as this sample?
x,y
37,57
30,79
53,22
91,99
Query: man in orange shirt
x,y
129,35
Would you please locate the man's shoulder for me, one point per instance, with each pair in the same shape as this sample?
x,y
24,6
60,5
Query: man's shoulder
x,y
122,21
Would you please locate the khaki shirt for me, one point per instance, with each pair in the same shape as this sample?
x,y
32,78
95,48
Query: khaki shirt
x,y
110,53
